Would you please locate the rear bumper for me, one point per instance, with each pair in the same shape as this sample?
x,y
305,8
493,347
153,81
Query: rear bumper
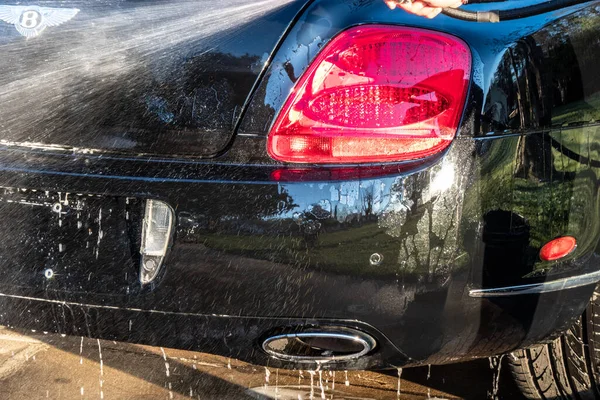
x,y
438,327
399,257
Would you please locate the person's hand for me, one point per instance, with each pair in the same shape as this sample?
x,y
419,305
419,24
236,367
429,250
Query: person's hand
x,y
425,8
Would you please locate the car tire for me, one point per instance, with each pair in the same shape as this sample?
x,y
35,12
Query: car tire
x,y
566,368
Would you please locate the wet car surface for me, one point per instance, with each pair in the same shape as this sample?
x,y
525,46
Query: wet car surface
x,y
210,178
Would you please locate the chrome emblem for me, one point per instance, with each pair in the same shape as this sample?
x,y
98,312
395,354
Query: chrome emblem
x,y
30,21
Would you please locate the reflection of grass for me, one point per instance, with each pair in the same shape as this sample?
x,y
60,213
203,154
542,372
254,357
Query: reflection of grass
x,y
360,234
581,111
353,247
584,141
560,203
546,207
345,251
264,247
550,207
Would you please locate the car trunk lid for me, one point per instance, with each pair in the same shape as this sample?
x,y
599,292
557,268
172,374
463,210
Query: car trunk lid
x,y
165,78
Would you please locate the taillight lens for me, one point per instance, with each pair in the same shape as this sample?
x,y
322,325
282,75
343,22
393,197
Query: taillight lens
x,y
375,93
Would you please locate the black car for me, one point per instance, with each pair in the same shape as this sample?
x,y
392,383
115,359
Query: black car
x,y
307,183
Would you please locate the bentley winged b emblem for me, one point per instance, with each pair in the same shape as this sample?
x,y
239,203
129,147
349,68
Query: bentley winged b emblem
x,y
30,21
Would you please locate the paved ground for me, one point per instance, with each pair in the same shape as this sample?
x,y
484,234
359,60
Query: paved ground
x,y
42,366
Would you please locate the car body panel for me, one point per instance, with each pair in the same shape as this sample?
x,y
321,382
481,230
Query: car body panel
x,y
393,250
137,77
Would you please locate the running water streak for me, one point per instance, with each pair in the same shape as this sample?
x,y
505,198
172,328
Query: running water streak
x,y
428,377
167,372
496,367
399,382
312,384
81,352
101,379
321,384
333,382
267,376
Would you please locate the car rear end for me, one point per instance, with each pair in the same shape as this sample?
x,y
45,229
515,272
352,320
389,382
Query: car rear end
x,y
299,183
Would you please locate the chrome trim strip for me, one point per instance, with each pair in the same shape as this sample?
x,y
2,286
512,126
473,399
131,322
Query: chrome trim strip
x,y
542,287
366,341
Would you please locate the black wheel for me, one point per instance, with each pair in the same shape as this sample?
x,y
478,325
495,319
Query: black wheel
x,y
567,368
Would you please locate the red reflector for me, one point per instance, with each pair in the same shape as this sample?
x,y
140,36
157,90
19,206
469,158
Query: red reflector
x,y
375,93
558,248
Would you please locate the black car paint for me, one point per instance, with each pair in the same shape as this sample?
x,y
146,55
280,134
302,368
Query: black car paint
x,y
262,248
138,77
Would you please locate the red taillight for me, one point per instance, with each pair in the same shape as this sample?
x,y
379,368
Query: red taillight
x,y
375,93
558,248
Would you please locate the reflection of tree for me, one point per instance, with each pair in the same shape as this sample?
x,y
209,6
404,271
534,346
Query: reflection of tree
x,y
425,223
537,77
573,47
368,197
534,93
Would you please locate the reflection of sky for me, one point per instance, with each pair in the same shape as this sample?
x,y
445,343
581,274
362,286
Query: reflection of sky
x,y
381,194
349,197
